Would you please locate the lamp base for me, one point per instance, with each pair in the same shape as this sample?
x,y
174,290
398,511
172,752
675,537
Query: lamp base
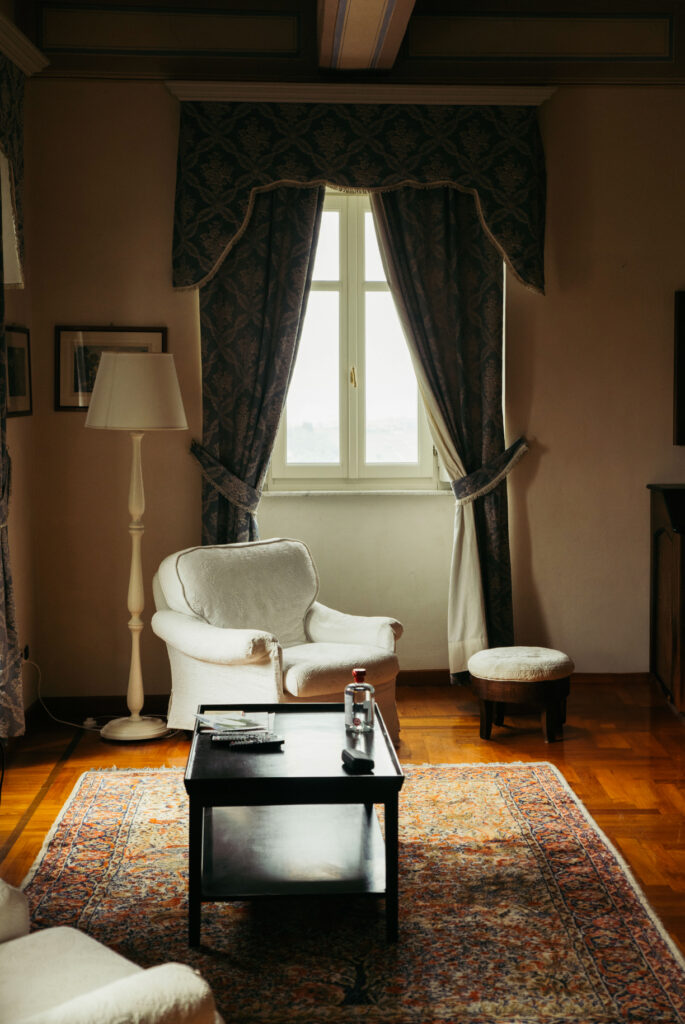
x,y
138,728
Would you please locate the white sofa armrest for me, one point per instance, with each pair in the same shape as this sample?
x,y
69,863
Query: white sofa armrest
x,y
326,625
168,994
199,640
14,913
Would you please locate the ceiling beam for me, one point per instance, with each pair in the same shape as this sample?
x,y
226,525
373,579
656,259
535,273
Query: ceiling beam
x,y
359,34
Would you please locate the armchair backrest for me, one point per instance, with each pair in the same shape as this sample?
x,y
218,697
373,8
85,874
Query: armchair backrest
x,y
268,585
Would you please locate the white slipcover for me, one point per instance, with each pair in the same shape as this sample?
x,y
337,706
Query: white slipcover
x,y
241,623
61,976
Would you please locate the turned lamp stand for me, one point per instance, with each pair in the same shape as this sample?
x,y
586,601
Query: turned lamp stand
x,y
136,726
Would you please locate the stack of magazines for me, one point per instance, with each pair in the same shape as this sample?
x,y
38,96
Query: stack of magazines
x,y
239,722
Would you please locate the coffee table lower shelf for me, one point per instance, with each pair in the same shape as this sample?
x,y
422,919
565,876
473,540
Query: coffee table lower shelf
x,y
291,850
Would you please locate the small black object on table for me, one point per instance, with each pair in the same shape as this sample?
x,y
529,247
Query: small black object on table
x,y
272,823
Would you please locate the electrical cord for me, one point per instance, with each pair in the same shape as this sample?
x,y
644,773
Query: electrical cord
x,y
89,724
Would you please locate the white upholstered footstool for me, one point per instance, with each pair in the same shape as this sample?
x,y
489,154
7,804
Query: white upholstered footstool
x,y
534,676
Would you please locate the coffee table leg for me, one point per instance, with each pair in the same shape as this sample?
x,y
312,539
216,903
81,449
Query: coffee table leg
x,y
391,854
194,872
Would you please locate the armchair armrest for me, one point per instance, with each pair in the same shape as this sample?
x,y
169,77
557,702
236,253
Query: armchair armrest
x,y
214,644
328,625
168,994
14,912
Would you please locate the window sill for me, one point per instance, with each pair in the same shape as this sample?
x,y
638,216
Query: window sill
x,y
363,494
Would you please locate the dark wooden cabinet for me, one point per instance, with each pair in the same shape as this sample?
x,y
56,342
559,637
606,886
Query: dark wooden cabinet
x,y
667,601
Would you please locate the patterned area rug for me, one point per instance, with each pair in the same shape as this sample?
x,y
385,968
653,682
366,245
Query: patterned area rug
x,y
513,908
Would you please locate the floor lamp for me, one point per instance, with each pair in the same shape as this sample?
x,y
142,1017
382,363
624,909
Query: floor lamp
x,y
136,392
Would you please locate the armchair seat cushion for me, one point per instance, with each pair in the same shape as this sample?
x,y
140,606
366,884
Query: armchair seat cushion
x,y
315,669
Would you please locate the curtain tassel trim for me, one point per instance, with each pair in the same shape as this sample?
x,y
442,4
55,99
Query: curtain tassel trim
x,y
487,478
231,487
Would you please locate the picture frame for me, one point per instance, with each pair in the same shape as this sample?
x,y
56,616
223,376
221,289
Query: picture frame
x,y
679,370
77,356
18,370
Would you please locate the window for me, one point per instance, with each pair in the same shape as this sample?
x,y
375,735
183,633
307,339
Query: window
x,y
353,418
12,272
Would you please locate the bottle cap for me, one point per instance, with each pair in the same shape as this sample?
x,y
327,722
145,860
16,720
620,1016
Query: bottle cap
x,y
359,675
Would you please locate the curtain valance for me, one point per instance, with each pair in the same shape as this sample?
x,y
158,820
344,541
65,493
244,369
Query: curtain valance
x,y
230,151
12,81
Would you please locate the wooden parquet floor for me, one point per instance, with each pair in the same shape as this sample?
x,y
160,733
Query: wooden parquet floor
x,y
623,754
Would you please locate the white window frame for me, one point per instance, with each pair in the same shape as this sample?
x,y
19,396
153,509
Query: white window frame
x,y
352,472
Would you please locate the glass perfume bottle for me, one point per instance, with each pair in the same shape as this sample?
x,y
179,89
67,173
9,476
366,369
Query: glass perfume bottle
x,y
359,703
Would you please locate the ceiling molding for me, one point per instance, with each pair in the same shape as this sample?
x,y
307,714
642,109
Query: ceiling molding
x,y
315,92
20,50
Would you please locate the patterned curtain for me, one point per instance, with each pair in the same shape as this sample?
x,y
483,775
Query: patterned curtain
x,y
447,281
11,143
251,316
11,695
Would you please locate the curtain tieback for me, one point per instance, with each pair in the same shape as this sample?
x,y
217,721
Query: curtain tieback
x,y
485,479
231,487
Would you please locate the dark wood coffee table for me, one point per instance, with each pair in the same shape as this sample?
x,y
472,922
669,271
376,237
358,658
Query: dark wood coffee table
x,y
292,822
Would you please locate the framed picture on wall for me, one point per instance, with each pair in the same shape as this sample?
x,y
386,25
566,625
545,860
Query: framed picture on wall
x,y
19,401
78,351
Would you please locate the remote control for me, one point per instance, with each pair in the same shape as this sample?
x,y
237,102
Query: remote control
x,y
253,741
356,761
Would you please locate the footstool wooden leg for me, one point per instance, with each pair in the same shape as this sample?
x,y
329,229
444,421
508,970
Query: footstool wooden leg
x,y
551,722
563,690
486,708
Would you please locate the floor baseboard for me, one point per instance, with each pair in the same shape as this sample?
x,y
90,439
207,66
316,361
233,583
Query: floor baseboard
x,y
75,710
424,677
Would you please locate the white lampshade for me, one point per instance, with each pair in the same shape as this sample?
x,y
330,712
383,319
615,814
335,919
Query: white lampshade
x,y
136,391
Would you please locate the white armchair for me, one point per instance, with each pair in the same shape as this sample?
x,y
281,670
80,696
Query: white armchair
x,y
62,976
241,623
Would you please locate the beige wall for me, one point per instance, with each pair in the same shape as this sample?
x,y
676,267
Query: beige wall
x,y
100,162
589,372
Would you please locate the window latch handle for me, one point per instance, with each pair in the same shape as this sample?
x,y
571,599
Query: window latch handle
x,y
353,376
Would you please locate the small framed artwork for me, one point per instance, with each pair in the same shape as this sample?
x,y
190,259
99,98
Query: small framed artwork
x,y
18,346
78,351
679,370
